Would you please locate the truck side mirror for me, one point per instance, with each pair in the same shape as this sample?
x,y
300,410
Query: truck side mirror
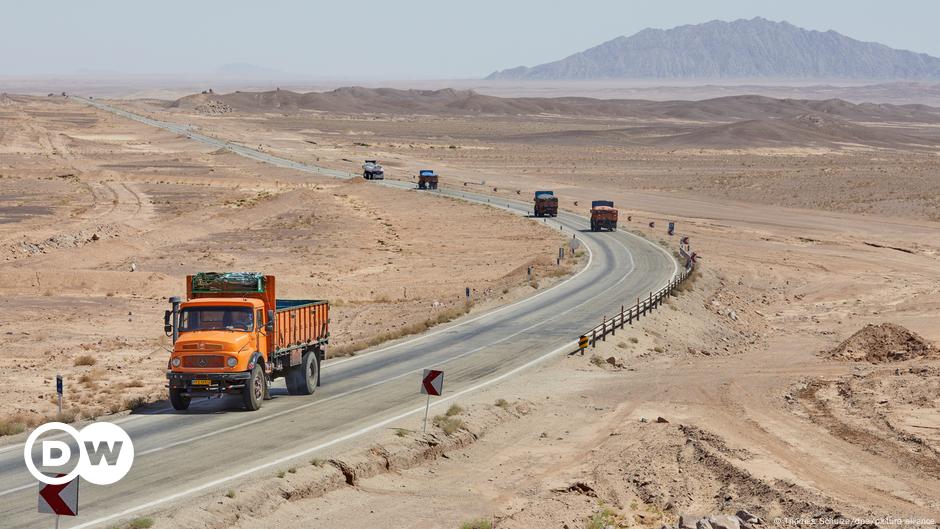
x,y
269,327
167,327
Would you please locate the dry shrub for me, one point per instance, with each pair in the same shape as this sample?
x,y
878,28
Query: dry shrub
x,y
85,360
10,426
449,425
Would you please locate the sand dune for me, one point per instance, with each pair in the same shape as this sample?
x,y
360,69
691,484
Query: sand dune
x,y
463,102
724,123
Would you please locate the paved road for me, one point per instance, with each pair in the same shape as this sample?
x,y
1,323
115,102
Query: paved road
x,y
215,444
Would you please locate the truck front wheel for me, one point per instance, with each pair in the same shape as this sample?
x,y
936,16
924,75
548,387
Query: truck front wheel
x,y
177,399
302,379
253,392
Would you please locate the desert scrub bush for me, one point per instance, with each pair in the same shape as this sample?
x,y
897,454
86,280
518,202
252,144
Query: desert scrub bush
x,y
623,345
454,409
140,523
9,426
481,523
598,361
280,474
601,519
634,339
448,425
85,360
658,349
502,403
402,432
134,402
230,494
317,462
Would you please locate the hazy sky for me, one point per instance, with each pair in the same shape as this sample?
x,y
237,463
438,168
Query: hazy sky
x,y
392,39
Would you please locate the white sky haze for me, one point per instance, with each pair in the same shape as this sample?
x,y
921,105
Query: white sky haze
x,y
392,39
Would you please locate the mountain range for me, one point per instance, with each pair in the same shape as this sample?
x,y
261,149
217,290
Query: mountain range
x,y
742,49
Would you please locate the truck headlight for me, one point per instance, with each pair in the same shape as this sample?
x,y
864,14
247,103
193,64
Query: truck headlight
x,y
175,362
232,361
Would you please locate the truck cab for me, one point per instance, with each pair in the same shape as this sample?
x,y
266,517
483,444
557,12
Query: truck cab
x,y
232,336
603,215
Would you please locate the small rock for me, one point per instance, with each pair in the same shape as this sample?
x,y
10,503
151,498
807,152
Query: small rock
x,y
133,267
95,237
687,521
747,517
703,524
661,420
642,419
724,521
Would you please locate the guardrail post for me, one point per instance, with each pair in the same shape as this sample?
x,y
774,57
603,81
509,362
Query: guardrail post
x,y
604,332
651,301
621,316
630,316
594,338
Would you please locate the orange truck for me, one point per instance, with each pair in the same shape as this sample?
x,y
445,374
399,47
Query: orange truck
x,y
603,216
233,336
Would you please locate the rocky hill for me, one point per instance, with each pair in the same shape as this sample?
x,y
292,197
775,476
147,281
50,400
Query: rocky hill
x,y
742,49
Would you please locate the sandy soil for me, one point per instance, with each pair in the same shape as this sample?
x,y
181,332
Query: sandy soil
x,y
859,159
101,218
759,417
659,430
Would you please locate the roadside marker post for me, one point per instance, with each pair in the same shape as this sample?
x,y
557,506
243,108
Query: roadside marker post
x,y
59,389
60,500
432,383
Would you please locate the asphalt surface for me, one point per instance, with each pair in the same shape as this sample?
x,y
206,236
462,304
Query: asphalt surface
x,y
214,445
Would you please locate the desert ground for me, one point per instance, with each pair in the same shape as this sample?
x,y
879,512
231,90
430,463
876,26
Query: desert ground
x,y
750,391
101,219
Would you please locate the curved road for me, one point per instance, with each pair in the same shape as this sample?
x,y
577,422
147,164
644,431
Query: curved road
x,y
180,455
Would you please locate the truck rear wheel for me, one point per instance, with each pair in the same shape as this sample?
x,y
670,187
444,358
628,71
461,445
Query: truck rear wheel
x,y
253,392
303,378
177,399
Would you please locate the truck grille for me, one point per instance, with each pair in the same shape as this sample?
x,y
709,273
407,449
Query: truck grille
x,y
202,346
201,361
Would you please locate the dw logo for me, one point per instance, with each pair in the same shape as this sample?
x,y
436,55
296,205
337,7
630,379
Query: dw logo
x,y
106,453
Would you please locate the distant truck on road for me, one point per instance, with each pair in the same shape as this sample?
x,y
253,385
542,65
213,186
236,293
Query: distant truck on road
x,y
233,336
603,216
427,179
546,204
371,170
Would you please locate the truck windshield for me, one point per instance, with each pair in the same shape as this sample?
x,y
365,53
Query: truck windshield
x,y
216,319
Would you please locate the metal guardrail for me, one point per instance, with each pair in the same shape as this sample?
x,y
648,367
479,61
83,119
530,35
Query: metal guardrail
x,y
628,315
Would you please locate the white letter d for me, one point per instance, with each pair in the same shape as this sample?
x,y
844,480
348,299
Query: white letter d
x,y
64,453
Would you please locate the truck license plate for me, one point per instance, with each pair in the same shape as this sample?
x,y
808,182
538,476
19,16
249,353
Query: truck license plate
x,y
199,382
